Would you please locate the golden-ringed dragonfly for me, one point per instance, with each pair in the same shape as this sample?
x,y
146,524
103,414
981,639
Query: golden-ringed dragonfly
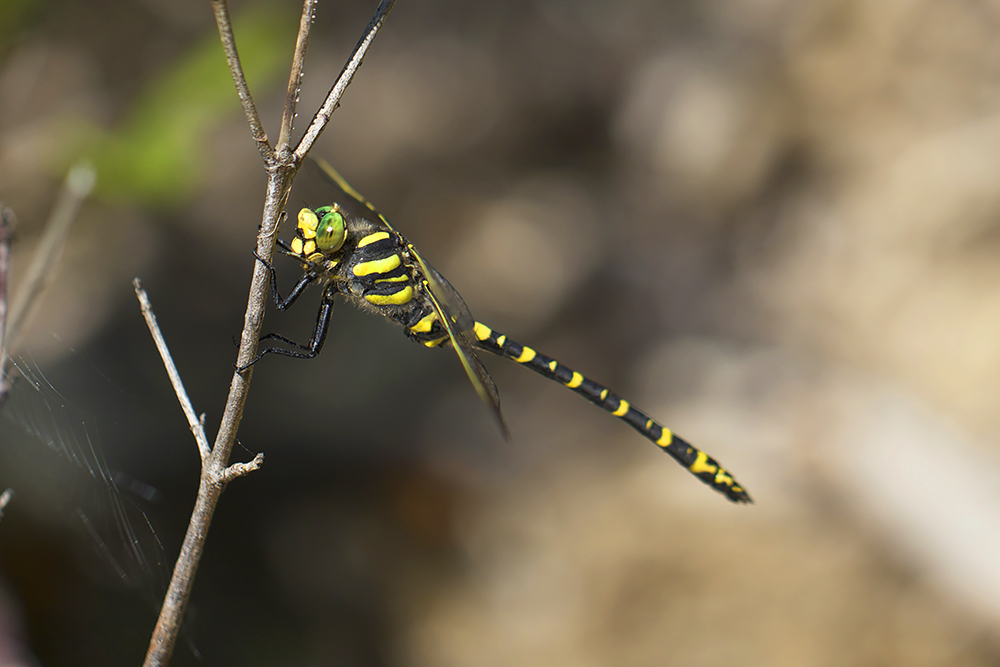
x,y
350,249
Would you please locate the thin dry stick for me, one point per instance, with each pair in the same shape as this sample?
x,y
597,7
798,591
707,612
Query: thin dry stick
x,y
7,223
229,46
79,182
332,100
197,428
295,76
5,500
281,170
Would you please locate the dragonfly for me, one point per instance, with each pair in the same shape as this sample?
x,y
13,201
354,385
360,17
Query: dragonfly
x,y
350,250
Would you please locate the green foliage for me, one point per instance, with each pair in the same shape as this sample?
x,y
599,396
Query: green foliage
x,y
14,15
158,155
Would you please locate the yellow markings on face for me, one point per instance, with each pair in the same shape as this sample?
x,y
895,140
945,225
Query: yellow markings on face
x,y
308,222
482,331
701,464
575,381
309,247
604,394
372,238
398,299
501,340
425,323
384,265
297,245
395,279
552,365
665,438
436,341
622,408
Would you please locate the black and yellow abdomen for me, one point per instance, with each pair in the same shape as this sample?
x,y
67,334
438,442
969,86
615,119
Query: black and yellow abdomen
x,y
703,466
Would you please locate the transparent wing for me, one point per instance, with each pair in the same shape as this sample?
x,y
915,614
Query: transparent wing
x,y
360,206
458,322
451,309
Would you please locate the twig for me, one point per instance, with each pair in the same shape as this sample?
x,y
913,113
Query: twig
x,y
281,169
332,100
242,89
7,223
197,427
5,498
242,469
77,186
295,76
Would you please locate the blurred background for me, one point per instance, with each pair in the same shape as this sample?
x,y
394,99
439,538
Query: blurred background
x,y
772,225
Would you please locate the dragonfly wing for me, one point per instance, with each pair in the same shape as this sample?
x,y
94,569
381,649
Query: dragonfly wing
x,y
454,315
451,309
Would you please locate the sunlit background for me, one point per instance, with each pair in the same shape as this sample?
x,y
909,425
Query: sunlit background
x,y
773,225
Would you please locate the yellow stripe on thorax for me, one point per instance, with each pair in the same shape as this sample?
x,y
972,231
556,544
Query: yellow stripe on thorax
x,y
377,266
398,299
372,238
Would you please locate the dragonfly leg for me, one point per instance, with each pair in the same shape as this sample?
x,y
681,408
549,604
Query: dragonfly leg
x,y
307,279
315,344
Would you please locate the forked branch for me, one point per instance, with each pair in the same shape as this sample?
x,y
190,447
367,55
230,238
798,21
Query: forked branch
x,y
281,168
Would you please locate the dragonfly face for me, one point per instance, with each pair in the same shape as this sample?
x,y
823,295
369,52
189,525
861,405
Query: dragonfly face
x,y
319,234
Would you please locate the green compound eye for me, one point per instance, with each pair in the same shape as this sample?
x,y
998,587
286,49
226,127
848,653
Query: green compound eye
x,y
331,233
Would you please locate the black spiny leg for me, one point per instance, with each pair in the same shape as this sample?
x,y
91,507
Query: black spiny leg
x,y
307,279
315,344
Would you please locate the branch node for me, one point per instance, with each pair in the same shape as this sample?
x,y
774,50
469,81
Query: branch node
x,y
242,469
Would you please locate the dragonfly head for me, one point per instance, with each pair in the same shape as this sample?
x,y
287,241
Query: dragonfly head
x,y
320,233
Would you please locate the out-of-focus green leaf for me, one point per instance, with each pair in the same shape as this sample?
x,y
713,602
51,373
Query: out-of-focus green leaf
x,y
14,14
158,154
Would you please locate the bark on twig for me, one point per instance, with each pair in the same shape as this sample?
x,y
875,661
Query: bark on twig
x,y
295,76
197,427
221,10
